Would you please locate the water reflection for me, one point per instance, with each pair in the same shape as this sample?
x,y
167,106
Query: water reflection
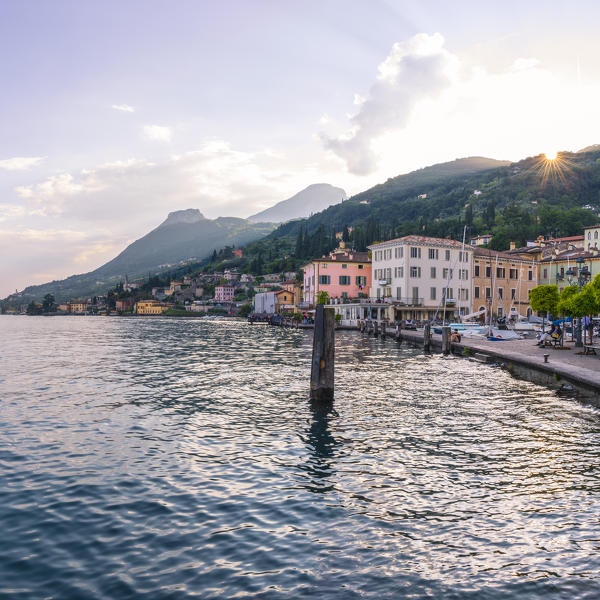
x,y
185,460
322,444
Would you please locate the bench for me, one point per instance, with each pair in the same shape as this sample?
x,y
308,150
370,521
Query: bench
x,y
590,348
554,342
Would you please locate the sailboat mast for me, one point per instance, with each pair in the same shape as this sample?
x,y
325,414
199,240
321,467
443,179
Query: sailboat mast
x,y
460,271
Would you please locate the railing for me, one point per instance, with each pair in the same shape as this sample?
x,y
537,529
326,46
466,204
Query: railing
x,y
384,281
408,301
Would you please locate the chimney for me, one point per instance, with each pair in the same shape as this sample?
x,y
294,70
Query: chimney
x,y
512,245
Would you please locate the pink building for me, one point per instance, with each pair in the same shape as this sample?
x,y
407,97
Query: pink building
x,y
343,274
224,293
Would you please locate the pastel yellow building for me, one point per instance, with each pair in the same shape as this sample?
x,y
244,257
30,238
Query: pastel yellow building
x,y
77,307
150,307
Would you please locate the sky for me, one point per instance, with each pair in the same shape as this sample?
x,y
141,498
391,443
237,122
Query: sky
x,y
113,114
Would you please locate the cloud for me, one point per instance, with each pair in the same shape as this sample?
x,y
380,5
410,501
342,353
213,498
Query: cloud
x,y
20,163
49,197
414,70
123,108
216,178
42,255
157,133
9,211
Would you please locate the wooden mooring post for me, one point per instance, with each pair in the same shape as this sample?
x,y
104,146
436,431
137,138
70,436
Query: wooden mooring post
x,y
427,337
375,328
446,339
323,358
398,334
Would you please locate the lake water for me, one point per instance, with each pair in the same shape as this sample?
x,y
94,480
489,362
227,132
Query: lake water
x,y
180,458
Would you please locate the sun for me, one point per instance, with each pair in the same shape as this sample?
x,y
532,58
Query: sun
x,y
552,155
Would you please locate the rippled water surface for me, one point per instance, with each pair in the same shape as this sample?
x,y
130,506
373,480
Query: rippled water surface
x,y
157,458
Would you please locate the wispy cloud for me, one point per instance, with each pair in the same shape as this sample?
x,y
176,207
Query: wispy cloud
x,y
157,133
20,163
123,108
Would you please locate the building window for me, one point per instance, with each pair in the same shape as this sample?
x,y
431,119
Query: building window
x,y
476,270
360,280
415,271
324,279
433,273
432,292
447,255
446,272
388,254
513,293
345,295
433,253
399,252
398,293
344,266
595,235
500,272
399,272
500,293
530,276
512,274
415,252
344,279
488,271
360,266
324,266
545,273
415,294
476,290
500,312
488,292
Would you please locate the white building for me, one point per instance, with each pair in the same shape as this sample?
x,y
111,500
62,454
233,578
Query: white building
x,y
264,302
421,276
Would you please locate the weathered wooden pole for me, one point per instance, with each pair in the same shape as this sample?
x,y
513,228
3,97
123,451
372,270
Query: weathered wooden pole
x,y
446,339
427,337
323,358
376,329
383,328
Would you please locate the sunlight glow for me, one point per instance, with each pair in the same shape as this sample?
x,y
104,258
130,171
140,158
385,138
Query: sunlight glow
x,y
552,155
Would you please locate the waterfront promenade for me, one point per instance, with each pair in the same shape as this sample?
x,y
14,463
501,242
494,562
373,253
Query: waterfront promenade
x,y
564,369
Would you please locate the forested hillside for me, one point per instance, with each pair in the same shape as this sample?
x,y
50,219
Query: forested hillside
x,y
513,202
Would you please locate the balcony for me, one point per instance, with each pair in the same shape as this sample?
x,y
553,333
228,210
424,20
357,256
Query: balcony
x,y
408,301
385,281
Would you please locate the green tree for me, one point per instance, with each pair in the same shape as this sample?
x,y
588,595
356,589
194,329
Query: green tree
x,y
544,300
322,297
564,307
585,304
245,310
33,308
48,303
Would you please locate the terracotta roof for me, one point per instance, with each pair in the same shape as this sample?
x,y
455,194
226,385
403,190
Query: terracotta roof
x,y
591,227
570,255
568,239
423,239
485,253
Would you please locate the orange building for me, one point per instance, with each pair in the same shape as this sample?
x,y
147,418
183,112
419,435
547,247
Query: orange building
x,y
502,282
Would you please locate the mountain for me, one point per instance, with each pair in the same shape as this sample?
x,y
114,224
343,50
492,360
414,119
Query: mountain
x,y
184,235
514,202
313,199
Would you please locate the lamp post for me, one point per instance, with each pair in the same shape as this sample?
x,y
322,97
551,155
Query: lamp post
x,y
581,275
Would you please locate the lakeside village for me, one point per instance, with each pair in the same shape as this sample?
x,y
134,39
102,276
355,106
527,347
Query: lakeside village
x,y
408,280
